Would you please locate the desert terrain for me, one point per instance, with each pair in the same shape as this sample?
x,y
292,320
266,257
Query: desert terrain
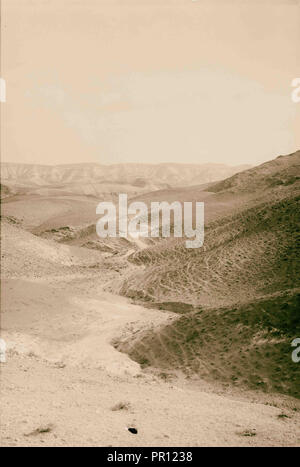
x,y
190,347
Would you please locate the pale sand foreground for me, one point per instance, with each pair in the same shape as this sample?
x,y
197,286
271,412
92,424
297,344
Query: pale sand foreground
x,y
63,377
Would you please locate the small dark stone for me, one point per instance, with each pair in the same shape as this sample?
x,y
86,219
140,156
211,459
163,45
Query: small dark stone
x,y
133,431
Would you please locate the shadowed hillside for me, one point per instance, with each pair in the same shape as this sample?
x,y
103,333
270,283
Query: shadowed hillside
x,y
248,345
246,255
284,170
238,295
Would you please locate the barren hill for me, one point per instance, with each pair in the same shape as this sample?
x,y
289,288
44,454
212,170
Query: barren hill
x,y
246,345
245,255
26,255
249,264
282,171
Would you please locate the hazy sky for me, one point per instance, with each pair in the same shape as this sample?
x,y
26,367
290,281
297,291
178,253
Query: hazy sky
x,y
149,80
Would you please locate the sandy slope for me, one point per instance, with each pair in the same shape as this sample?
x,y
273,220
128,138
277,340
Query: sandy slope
x,y
71,322
63,376
76,405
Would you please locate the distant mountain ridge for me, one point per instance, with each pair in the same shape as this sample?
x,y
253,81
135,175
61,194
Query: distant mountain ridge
x,y
137,175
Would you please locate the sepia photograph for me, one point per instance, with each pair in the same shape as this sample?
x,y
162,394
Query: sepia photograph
x,y
150,226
